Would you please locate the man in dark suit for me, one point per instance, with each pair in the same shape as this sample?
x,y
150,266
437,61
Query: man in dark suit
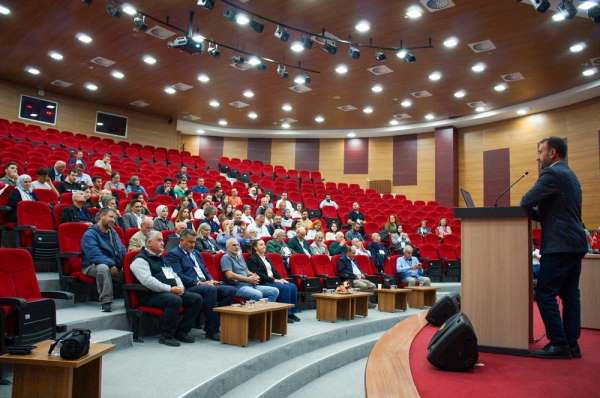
x,y
347,269
555,201
78,212
298,244
188,265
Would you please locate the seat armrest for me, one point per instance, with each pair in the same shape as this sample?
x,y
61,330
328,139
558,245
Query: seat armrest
x,y
69,254
5,208
136,287
58,294
13,302
25,228
297,276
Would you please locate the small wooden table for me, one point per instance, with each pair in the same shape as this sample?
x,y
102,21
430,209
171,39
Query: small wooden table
x,y
334,306
238,324
41,375
390,300
422,296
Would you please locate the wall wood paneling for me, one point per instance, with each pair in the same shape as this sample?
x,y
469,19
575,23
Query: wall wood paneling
x,y
446,166
210,149
307,154
259,149
405,160
496,176
356,156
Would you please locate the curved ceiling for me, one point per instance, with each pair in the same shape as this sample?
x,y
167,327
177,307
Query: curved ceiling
x,y
526,42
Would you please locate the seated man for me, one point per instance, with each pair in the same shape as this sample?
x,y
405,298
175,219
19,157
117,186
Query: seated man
x,y
43,181
298,244
187,263
70,183
328,202
348,270
102,255
166,292
339,246
205,242
355,216
236,273
379,252
104,163
262,230
286,203
133,219
354,233
423,229
410,270
56,173
138,240
76,160
183,174
78,212
82,177
173,239
166,188
200,187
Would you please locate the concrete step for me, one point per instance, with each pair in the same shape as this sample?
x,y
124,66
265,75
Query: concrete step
x,y
88,316
48,281
347,381
120,338
291,375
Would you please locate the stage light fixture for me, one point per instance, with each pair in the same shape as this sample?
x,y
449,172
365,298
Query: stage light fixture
x,y
113,10
380,55
129,9
541,5
139,22
306,41
254,60
261,66
567,8
594,13
329,47
354,52
303,79
213,50
238,59
406,55
257,26
229,14
281,33
207,4
242,19
187,44
282,71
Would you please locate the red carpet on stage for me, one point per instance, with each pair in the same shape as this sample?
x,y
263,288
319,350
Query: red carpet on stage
x,y
511,376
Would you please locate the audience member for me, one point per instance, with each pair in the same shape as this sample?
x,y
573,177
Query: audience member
x,y
304,221
56,173
360,248
318,246
260,265
166,292
399,240
96,188
43,181
410,270
287,221
348,270
339,246
379,252
115,182
200,187
355,216
109,201
70,183
183,174
173,239
138,240
205,242
253,193
133,218
210,217
185,216
391,226
298,244
262,231
535,262
443,229
166,188
333,230
162,222
247,215
234,199
264,205
225,234
180,188
269,215
102,255
76,160
354,233
276,224
22,192
82,177
286,203
236,273
277,245
78,212
142,200
423,229
316,228
104,163
134,186
297,212
328,202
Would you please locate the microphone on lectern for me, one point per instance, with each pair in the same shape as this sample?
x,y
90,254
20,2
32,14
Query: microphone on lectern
x,y
509,188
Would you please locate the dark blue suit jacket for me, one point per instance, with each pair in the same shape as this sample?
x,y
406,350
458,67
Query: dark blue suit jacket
x,y
344,268
184,266
557,195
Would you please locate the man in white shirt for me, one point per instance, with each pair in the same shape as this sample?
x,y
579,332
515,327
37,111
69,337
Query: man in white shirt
x,y
104,163
262,231
328,202
82,177
165,291
139,239
284,199
410,270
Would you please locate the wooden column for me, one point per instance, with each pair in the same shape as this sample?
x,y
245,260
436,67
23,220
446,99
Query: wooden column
x,y
446,166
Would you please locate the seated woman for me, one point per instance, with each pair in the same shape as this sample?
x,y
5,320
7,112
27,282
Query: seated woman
x,y
184,203
287,220
318,246
162,222
138,197
247,216
134,185
333,229
261,265
22,192
185,216
400,240
199,212
443,229
316,228
391,226
115,182
297,213
269,215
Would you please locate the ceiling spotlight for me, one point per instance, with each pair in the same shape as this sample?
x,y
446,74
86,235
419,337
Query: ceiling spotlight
x,y
242,19
252,115
558,17
368,110
435,76
302,79
55,55
282,34
589,72
84,38
286,107
238,59
297,47
198,38
170,90
377,88
139,23
393,122
341,69
351,134
248,93
567,8
319,119
32,70
354,52
129,9
587,5
207,4
222,122
451,42
257,26
4,10
329,47
380,55
282,71
577,47
522,111
113,10
406,55
406,103
594,14
414,12
500,87
189,44
541,5
480,109
460,94
90,86
213,50
307,41
149,59
429,116
362,26
478,67
285,125
213,103
117,74
203,78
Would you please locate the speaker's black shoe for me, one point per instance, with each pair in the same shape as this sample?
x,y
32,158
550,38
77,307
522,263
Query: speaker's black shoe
x,y
290,319
553,352
107,307
213,336
184,337
170,341
295,318
575,351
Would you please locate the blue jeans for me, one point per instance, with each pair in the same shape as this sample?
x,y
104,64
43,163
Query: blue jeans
x,y
256,292
288,293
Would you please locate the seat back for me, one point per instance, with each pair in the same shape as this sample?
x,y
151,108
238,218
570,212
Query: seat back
x,y
389,267
69,241
36,214
447,252
17,274
128,277
277,261
300,265
365,265
322,265
46,195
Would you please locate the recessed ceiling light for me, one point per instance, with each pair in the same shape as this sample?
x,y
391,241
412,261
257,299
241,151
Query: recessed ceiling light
x,y
117,74
32,70
33,114
214,103
4,10
478,67
248,93
341,69
203,78
300,79
414,12
451,42
222,122
50,106
242,19
368,109
351,134
393,122
198,38
362,26
252,115
522,111
129,9
84,38
285,125
586,5
91,86
577,47
589,72
254,60
149,59
377,88
200,131
286,107
319,119
558,17
435,76
55,55
429,116
480,109
406,103
297,47
500,87
460,94
170,90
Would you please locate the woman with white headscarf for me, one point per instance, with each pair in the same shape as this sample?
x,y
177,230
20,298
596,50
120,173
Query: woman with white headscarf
x,y
22,192
162,221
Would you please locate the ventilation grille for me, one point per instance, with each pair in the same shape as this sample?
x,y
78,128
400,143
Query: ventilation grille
x,y
421,94
402,116
482,46
595,61
513,77
160,33
437,5
300,88
182,86
61,83
103,61
476,104
139,103
379,70
238,104
347,108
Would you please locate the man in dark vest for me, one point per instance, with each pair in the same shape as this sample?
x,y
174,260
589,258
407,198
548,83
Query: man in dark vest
x,y
166,291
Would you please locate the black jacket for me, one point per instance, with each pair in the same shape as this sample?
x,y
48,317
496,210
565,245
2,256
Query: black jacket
x,y
344,268
207,245
557,195
73,214
256,265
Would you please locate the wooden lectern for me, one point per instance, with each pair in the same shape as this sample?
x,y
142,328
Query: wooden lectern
x,y
496,281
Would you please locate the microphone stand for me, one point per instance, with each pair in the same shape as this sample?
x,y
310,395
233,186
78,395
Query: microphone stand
x,y
509,188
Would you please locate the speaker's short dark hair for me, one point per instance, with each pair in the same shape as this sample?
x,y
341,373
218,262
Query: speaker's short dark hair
x,y
556,143
185,233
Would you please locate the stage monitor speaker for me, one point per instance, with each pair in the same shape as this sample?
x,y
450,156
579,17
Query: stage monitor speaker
x,y
443,309
454,346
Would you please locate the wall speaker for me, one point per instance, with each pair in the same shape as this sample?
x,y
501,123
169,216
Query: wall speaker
x,y
454,346
443,309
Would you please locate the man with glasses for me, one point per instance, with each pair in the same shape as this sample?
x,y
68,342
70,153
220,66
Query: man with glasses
x,y
134,218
